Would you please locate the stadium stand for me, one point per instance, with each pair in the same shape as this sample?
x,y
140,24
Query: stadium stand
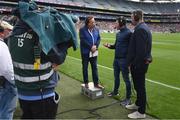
x,y
161,17
123,5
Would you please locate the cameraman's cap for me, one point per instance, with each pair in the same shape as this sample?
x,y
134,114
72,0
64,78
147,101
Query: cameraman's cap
x,y
5,25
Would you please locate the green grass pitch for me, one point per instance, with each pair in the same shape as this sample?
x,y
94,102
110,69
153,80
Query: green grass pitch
x,y
163,100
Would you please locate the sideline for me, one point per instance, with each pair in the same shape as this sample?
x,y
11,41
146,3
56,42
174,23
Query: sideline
x,y
151,81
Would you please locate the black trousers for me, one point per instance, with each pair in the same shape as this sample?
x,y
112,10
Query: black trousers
x,y
39,109
138,75
85,63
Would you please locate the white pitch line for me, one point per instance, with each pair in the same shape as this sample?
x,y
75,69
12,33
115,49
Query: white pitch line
x,y
152,81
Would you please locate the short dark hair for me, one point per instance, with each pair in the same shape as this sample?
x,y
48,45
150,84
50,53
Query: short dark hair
x,y
121,20
138,15
88,19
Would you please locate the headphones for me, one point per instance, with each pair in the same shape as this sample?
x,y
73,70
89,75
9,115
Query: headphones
x,y
122,20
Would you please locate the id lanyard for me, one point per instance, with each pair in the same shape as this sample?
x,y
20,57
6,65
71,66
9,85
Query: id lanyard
x,y
91,35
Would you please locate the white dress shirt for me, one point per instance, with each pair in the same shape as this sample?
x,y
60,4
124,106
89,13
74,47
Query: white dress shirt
x,y
6,66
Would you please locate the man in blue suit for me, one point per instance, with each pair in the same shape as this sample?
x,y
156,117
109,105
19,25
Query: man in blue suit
x,y
139,57
89,42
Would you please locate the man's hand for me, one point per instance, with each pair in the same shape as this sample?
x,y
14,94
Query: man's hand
x,y
129,67
55,66
93,49
106,45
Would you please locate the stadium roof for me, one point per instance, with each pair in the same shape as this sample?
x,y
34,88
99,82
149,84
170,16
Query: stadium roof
x,y
160,1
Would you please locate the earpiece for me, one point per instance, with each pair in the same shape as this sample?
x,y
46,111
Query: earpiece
x,y
138,15
136,18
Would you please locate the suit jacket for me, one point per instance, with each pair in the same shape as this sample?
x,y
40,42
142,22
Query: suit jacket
x,y
86,40
122,42
140,45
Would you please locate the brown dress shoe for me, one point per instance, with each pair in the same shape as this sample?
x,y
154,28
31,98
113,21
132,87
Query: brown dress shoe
x,y
99,86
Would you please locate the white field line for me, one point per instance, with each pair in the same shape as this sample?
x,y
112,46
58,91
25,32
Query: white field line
x,y
151,81
154,42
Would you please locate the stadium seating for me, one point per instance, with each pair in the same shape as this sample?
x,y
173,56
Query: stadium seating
x,y
161,17
122,5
